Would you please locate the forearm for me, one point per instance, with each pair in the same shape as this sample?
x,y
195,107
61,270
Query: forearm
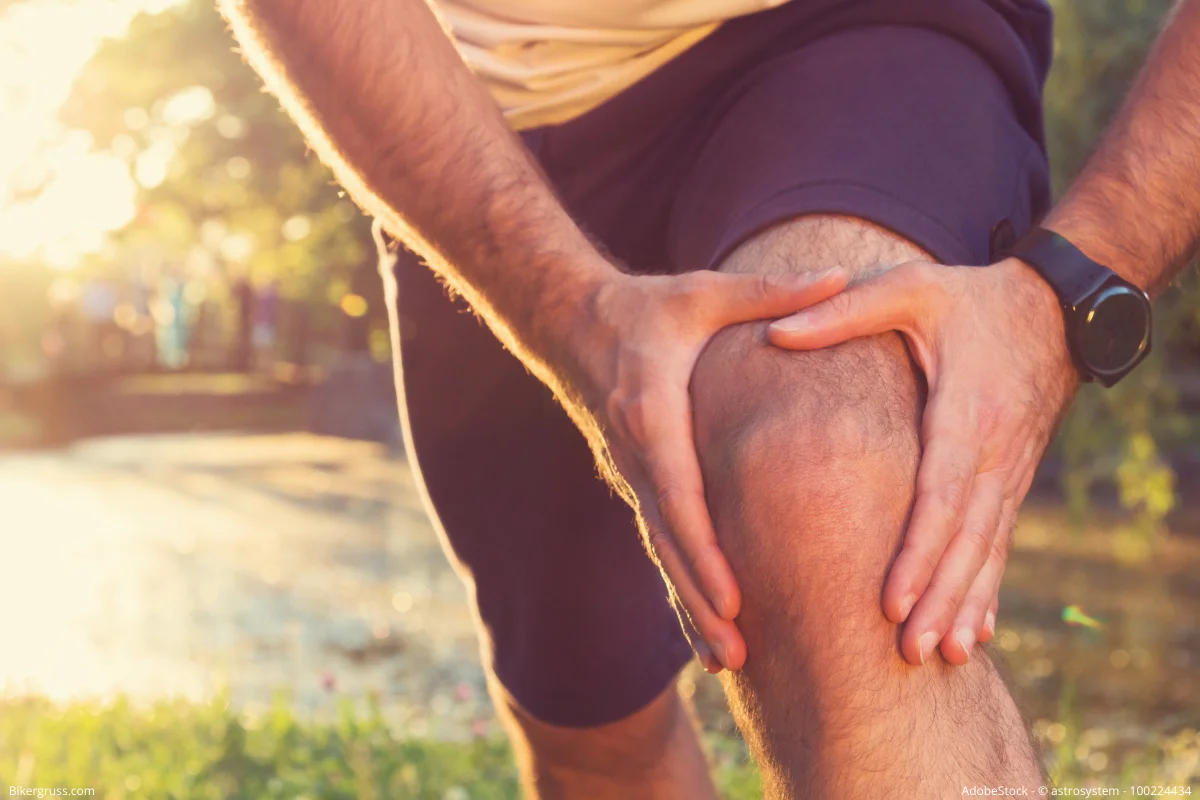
x,y
385,100
1136,205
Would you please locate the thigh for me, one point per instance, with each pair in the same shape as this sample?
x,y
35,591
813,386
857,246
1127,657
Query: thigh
x,y
574,617
905,127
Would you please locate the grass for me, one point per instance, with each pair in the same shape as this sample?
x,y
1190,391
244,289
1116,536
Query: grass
x,y
186,750
189,750
179,749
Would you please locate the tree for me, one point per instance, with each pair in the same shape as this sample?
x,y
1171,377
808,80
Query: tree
x,y
1117,435
227,182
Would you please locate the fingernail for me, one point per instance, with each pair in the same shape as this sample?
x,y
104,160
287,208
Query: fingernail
x,y
721,653
989,622
966,638
792,324
723,607
906,606
925,645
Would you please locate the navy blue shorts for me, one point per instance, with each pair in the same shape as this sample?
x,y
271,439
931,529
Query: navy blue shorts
x,y
922,116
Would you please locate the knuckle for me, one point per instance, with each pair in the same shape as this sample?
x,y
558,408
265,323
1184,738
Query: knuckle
x,y
761,286
683,298
632,414
999,549
973,603
658,542
695,286
940,608
616,403
926,282
979,539
927,561
843,304
949,500
667,497
916,274
994,415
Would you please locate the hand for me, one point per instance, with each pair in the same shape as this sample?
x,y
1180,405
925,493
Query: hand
x,y
991,344
634,345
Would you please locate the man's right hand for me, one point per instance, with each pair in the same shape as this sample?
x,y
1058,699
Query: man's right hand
x,y
629,357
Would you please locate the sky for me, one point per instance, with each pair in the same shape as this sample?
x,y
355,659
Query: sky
x,y
43,46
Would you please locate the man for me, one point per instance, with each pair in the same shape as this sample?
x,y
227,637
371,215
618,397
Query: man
x,y
722,156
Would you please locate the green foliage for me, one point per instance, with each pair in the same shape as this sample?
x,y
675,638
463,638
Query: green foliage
x,y
1070,754
226,178
1098,48
1118,436
179,750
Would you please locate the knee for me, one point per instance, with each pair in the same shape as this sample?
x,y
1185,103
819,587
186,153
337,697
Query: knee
x,y
809,461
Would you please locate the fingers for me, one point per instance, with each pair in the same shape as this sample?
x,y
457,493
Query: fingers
x,y
985,590
711,664
970,624
720,635
944,482
674,471
677,527
957,570
989,620
731,299
957,580
1008,521
885,303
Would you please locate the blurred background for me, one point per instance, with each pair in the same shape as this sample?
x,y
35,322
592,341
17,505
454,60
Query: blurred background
x,y
216,577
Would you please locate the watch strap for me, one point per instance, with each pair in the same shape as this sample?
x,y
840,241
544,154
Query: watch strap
x,y
1071,274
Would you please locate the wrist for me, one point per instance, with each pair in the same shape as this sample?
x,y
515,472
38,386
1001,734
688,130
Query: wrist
x,y
1035,290
1034,293
568,297
566,331
1093,235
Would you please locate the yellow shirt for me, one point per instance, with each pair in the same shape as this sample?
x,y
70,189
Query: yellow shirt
x,y
548,61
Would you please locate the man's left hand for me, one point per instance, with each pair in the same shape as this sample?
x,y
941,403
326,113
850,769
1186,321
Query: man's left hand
x,y
991,344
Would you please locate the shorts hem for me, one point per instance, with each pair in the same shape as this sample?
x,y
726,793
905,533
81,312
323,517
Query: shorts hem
x,y
603,708
849,199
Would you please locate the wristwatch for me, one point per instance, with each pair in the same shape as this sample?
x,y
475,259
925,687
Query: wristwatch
x,y
1107,317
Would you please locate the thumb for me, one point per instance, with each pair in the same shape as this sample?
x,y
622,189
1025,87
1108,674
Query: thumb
x,y
733,298
885,303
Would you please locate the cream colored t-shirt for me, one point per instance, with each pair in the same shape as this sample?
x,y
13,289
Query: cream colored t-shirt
x,y
548,61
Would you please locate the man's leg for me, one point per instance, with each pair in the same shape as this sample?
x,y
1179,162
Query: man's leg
x,y
652,754
809,462
579,641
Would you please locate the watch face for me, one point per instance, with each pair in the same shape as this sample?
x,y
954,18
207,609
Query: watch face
x,y
1114,330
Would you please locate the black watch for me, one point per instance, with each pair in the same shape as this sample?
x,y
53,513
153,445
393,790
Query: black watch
x,y
1107,317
